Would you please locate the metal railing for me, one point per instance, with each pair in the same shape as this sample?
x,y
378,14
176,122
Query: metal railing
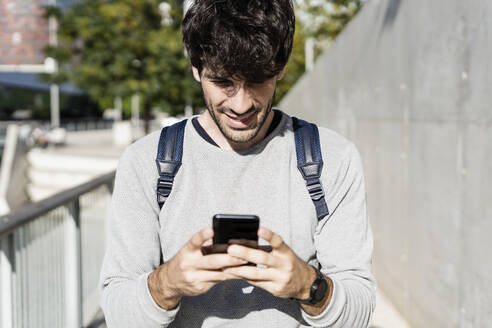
x,y
3,132
80,124
87,124
50,258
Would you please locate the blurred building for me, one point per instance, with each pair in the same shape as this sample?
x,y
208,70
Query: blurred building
x,y
24,31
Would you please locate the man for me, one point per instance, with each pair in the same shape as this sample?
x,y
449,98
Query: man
x,y
239,157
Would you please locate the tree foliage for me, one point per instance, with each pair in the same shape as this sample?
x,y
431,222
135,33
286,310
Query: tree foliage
x,y
124,47
325,19
322,20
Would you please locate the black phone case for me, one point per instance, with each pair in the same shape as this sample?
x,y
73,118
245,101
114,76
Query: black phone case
x,y
234,229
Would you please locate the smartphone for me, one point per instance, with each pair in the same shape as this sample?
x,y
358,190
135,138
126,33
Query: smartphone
x,y
234,229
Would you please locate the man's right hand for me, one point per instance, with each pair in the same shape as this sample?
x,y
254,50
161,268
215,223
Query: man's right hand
x,y
189,272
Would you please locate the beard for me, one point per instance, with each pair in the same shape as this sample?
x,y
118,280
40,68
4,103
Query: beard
x,y
240,135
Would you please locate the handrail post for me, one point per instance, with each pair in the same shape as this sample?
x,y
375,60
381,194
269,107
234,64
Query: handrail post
x,y
6,282
73,260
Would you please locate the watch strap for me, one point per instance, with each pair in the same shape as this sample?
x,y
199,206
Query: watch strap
x,y
319,283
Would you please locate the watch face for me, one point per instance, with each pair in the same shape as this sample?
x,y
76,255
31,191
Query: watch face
x,y
318,289
320,292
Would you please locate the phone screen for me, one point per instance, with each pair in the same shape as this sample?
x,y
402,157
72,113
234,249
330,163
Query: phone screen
x,y
234,229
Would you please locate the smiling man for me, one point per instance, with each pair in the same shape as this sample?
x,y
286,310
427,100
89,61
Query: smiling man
x,y
240,156
239,112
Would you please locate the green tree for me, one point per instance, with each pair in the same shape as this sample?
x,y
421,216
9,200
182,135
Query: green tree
x,y
124,47
321,20
295,65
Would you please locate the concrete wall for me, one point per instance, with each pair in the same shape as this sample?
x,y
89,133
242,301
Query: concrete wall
x,y
410,82
13,171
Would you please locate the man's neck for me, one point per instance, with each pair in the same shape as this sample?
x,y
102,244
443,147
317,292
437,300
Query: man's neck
x,y
208,124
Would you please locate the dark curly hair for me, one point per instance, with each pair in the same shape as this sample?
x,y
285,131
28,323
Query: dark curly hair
x,y
249,39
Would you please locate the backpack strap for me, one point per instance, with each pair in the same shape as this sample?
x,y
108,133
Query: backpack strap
x,y
310,162
169,156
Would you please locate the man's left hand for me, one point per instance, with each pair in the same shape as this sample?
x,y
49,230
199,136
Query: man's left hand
x,y
285,275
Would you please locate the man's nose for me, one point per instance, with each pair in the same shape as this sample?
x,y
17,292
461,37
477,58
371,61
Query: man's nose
x,y
241,101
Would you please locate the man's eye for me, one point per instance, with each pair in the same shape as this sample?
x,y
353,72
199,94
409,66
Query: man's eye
x,y
256,84
223,84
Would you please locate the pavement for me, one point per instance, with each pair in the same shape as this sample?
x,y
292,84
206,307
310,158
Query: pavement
x,y
386,315
96,143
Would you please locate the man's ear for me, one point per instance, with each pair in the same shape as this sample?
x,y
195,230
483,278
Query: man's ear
x,y
280,74
196,75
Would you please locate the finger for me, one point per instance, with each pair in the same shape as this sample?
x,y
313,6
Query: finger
x,y
252,255
272,238
214,276
252,273
218,261
199,238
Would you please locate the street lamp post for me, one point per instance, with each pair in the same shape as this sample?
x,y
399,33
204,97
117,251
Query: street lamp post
x,y
309,54
54,89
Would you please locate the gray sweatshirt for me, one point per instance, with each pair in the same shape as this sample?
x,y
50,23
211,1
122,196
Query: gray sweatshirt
x,y
263,180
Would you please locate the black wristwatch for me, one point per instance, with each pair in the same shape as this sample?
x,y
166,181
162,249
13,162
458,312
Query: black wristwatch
x,y
318,289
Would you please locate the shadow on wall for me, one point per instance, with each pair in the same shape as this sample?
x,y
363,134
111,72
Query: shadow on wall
x,y
391,13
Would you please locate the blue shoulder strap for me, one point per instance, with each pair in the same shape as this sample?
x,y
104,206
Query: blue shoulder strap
x,y
169,156
308,151
310,162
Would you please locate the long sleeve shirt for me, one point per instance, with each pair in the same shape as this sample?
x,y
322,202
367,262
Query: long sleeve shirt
x,y
263,180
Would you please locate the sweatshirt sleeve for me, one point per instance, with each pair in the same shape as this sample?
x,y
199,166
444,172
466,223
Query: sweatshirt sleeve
x,y
344,247
133,248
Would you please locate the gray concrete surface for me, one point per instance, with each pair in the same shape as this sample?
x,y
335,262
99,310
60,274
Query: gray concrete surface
x,y
410,82
13,168
386,315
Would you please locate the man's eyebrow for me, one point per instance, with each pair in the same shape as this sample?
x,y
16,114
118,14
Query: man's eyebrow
x,y
214,77
218,77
